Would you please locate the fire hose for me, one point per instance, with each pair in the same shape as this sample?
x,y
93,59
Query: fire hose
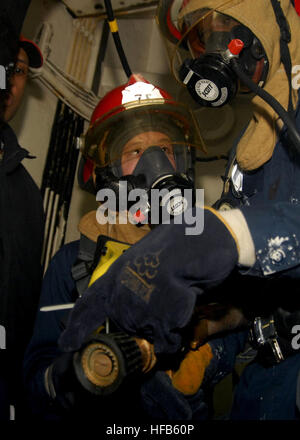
x,y
107,361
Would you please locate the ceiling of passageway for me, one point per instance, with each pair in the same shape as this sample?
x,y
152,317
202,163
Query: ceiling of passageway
x,y
87,8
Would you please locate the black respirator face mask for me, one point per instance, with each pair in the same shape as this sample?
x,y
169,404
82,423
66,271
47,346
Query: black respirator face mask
x,y
153,171
210,79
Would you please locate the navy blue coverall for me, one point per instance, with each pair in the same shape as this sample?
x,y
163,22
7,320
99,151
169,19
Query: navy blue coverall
x,y
270,202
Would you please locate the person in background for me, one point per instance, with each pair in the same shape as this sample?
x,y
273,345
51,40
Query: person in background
x,y
21,224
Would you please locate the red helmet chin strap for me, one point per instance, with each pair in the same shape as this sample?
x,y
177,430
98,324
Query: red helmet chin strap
x,y
88,170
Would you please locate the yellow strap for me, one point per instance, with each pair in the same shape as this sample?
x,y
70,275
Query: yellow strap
x,y
113,25
114,251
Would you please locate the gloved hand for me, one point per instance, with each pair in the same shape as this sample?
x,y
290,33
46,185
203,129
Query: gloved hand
x,y
189,376
151,290
61,383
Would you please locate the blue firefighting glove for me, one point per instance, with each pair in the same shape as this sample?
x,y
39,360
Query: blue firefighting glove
x,y
61,384
151,290
67,395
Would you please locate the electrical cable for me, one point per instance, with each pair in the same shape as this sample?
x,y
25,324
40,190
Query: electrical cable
x,y
115,33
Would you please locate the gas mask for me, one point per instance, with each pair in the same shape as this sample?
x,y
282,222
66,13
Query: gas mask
x,y
227,58
162,191
209,76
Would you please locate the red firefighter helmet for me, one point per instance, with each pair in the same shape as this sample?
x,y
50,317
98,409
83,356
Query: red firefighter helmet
x,y
132,108
115,101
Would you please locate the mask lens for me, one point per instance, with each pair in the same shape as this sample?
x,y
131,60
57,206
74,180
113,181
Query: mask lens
x,y
135,148
128,134
208,31
211,32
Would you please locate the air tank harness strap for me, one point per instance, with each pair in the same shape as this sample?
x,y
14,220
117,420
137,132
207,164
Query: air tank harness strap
x,y
94,259
81,269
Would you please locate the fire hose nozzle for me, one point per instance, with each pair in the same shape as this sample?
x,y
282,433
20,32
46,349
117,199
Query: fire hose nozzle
x,y
106,361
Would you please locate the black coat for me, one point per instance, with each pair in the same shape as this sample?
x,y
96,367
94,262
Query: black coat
x,y
21,239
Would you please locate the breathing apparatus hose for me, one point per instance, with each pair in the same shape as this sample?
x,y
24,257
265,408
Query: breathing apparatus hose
x,y
115,33
279,109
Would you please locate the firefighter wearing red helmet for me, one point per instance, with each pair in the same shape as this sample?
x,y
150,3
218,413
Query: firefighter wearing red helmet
x,y
138,132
